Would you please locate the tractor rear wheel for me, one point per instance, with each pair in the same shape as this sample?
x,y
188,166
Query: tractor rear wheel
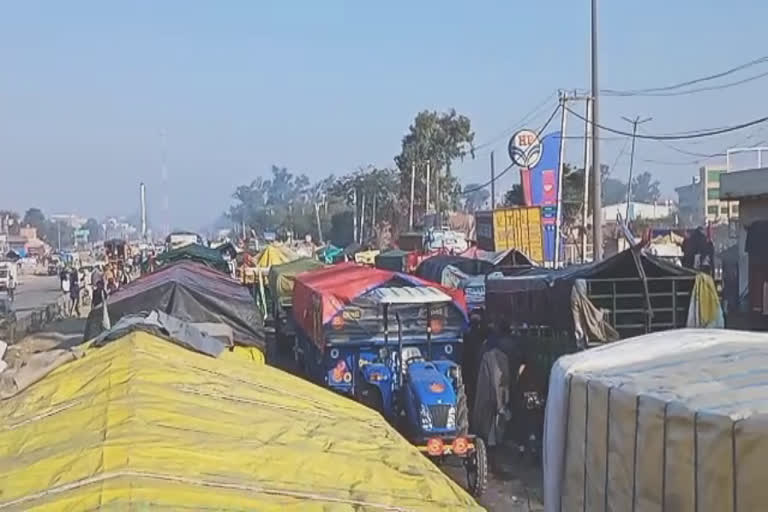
x,y
477,469
462,411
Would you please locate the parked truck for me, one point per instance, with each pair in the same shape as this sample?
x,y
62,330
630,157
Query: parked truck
x,y
518,227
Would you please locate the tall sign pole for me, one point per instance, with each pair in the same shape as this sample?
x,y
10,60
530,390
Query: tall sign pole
x,y
560,172
413,185
587,165
426,205
493,183
597,188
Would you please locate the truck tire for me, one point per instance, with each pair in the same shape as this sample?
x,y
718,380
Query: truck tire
x,y
462,411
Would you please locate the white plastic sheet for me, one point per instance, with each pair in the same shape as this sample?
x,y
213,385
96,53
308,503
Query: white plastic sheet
x,y
667,421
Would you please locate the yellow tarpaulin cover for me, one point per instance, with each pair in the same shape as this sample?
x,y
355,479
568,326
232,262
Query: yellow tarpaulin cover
x,y
144,424
366,257
275,255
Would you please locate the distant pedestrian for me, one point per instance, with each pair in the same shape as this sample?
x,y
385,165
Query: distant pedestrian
x,y
74,292
11,287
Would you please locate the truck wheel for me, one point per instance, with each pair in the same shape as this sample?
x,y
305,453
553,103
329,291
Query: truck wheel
x,y
462,411
477,469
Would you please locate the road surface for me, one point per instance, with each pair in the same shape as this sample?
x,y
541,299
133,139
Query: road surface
x,y
36,292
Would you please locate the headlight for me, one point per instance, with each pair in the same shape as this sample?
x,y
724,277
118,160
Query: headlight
x,y
451,423
426,418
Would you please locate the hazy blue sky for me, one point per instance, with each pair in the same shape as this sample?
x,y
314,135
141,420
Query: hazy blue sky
x,y
326,86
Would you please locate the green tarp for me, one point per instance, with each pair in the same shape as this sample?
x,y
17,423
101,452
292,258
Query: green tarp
x,y
281,278
195,252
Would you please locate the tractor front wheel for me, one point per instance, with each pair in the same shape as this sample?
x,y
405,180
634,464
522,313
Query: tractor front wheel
x,y
462,411
477,469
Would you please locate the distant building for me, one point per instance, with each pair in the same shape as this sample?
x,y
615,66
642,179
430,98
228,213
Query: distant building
x,y
717,211
690,204
657,210
699,202
70,219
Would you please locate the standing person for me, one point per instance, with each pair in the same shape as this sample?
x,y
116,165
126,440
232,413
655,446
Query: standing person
x,y
99,294
74,292
96,277
109,278
11,287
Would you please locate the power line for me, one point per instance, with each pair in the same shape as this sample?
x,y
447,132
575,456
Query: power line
x,y
681,136
688,83
510,166
526,118
688,91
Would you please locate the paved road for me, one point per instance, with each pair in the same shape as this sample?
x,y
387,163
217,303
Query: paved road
x,y
35,292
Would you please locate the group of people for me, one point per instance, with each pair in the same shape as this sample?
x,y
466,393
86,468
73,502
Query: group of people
x,y
101,284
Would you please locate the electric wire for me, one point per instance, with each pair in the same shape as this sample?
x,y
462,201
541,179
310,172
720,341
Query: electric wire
x,y
510,166
688,83
681,136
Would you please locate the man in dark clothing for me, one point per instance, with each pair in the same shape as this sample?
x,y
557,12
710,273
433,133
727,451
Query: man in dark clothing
x,y
99,293
74,292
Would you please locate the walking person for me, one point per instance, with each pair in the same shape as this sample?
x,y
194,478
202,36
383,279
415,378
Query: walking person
x,y
74,292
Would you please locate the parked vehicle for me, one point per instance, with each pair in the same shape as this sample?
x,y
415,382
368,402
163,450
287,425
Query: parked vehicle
x,y
393,342
9,273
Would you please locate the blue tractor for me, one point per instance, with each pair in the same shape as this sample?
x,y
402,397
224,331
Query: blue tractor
x,y
422,395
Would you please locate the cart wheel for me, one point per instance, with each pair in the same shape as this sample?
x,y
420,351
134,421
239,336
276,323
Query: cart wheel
x,y
477,469
462,411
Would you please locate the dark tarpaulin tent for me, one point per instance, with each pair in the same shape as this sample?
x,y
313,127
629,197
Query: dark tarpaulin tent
x,y
394,259
432,268
540,296
191,292
197,253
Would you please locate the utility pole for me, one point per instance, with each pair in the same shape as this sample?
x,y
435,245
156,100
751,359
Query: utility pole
x,y
438,196
354,214
587,165
597,186
561,165
58,228
634,123
493,183
319,227
373,215
362,219
413,184
426,207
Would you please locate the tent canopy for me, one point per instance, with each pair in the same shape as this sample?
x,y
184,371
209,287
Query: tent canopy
x,y
394,259
282,277
508,258
532,295
275,254
432,268
143,424
197,253
330,289
191,292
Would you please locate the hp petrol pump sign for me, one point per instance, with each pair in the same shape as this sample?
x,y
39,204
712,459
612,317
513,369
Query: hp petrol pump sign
x,y
525,149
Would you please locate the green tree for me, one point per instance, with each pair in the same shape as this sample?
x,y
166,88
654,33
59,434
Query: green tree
x,y
475,197
36,218
374,187
645,189
514,196
95,230
439,138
